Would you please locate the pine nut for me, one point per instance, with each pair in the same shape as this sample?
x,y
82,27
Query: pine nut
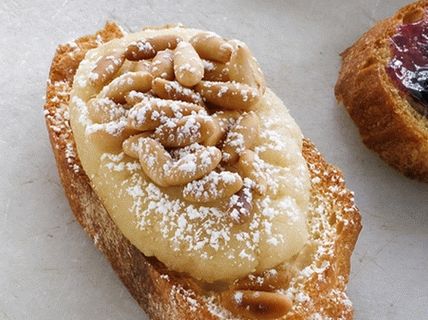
x,y
104,110
142,65
241,136
213,187
155,161
193,166
150,113
162,65
188,130
211,46
249,166
147,49
244,68
188,67
215,71
134,97
132,146
119,87
172,90
106,68
229,95
181,132
257,304
226,119
241,205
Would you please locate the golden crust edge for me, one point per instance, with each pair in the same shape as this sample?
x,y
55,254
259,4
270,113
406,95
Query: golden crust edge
x,y
162,293
386,122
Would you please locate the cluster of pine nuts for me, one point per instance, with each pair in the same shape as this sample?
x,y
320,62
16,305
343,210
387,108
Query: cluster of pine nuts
x,y
195,97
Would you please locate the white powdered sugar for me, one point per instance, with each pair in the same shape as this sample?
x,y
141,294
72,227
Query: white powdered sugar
x,y
162,220
208,65
143,46
205,232
174,86
58,119
238,295
209,186
158,110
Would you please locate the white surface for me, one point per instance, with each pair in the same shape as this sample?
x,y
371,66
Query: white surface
x,y
48,267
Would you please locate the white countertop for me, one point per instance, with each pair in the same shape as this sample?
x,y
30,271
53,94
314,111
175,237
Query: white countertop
x,y
49,269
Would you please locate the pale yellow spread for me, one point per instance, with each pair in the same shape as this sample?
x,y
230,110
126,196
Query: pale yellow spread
x,y
196,239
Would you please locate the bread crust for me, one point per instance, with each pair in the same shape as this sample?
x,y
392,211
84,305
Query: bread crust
x,y
162,293
387,122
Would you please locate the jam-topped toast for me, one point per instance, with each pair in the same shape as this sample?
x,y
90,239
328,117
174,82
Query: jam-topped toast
x,y
383,85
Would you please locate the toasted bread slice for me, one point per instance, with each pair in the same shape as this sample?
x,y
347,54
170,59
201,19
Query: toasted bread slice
x,y
387,122
317,290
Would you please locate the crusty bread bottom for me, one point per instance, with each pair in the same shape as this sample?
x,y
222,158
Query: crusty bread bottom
x,y
164,294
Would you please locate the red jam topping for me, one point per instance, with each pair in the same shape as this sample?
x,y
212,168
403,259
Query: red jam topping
x,y
409,64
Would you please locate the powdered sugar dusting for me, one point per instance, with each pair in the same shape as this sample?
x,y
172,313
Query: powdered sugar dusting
x,y
58,119
204,235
